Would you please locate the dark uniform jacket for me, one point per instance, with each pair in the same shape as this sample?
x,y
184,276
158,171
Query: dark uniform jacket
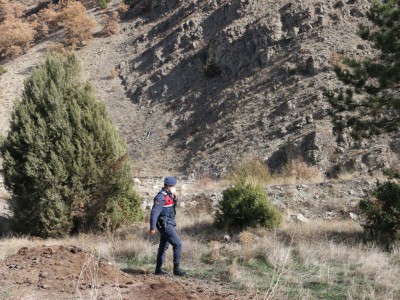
x,y
163,210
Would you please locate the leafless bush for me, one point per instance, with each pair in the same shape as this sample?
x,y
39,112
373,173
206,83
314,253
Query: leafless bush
x,y
78,24
10,10
16,36
111,24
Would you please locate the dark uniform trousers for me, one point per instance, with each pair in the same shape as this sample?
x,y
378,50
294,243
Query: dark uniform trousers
x,y
169,236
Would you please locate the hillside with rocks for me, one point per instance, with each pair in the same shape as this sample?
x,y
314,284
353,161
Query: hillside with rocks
x,y
203,84
274,65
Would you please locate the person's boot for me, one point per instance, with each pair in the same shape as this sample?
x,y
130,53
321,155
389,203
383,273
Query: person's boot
x,y
159,270
178,271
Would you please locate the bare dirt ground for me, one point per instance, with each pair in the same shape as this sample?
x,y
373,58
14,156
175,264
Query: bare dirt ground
x,y
68,272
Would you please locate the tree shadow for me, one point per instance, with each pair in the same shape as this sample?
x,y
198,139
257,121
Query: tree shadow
x,y
6,224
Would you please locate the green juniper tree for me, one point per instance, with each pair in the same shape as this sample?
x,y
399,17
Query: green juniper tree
x,y
376,78
382,212
64,162
246,205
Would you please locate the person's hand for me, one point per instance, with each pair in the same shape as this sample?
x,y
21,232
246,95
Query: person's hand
x,y
152,231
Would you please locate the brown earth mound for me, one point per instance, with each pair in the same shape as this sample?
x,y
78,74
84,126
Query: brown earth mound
x,y
68,272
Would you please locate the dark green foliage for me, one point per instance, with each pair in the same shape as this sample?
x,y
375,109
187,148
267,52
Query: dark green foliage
x,y
211,69
103,4
378,79
2,70
246,205
64,162
382,212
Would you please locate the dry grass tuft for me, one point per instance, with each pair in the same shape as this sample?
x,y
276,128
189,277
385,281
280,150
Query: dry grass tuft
x,y
336,60
252,169
300,170
58,48
247,238
114,72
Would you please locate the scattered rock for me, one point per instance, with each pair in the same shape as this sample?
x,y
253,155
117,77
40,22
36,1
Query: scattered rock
x,y
353,216
227,238
300,218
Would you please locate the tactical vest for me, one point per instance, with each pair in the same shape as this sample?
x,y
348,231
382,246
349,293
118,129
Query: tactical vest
x,y
167,215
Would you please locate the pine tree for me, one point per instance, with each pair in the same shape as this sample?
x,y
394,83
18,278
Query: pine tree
x,y
378,79
64,162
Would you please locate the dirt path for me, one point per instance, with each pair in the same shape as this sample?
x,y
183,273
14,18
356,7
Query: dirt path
x,y
68,272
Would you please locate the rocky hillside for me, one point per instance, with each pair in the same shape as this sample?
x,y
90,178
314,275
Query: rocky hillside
x,y
203,84
268,65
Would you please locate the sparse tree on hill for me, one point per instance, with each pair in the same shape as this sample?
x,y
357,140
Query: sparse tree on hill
x,y
64,162
376,78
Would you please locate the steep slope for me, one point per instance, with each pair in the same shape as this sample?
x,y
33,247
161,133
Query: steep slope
x,y
275,62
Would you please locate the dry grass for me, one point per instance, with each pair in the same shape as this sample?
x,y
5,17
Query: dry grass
x,y
301,171
316,260
114,72
252,169
336,60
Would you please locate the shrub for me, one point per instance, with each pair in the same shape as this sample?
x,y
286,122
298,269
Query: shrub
x,y
10,10
103,4
50,16
78,24
252,169
111,24
16,36
64,163
123,8
2,70
382,212
211,69
57,48
246,205
299,169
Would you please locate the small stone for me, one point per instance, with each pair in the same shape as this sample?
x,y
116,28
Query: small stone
x,y
353,216
300,218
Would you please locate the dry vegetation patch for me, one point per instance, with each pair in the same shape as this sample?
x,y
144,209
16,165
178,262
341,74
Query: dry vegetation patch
x,y
19,31
317,260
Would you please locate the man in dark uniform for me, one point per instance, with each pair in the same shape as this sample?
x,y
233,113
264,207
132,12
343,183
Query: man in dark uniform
x,y
162,217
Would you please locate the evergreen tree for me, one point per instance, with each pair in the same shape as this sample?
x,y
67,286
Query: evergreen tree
x,y
376,78
64,162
